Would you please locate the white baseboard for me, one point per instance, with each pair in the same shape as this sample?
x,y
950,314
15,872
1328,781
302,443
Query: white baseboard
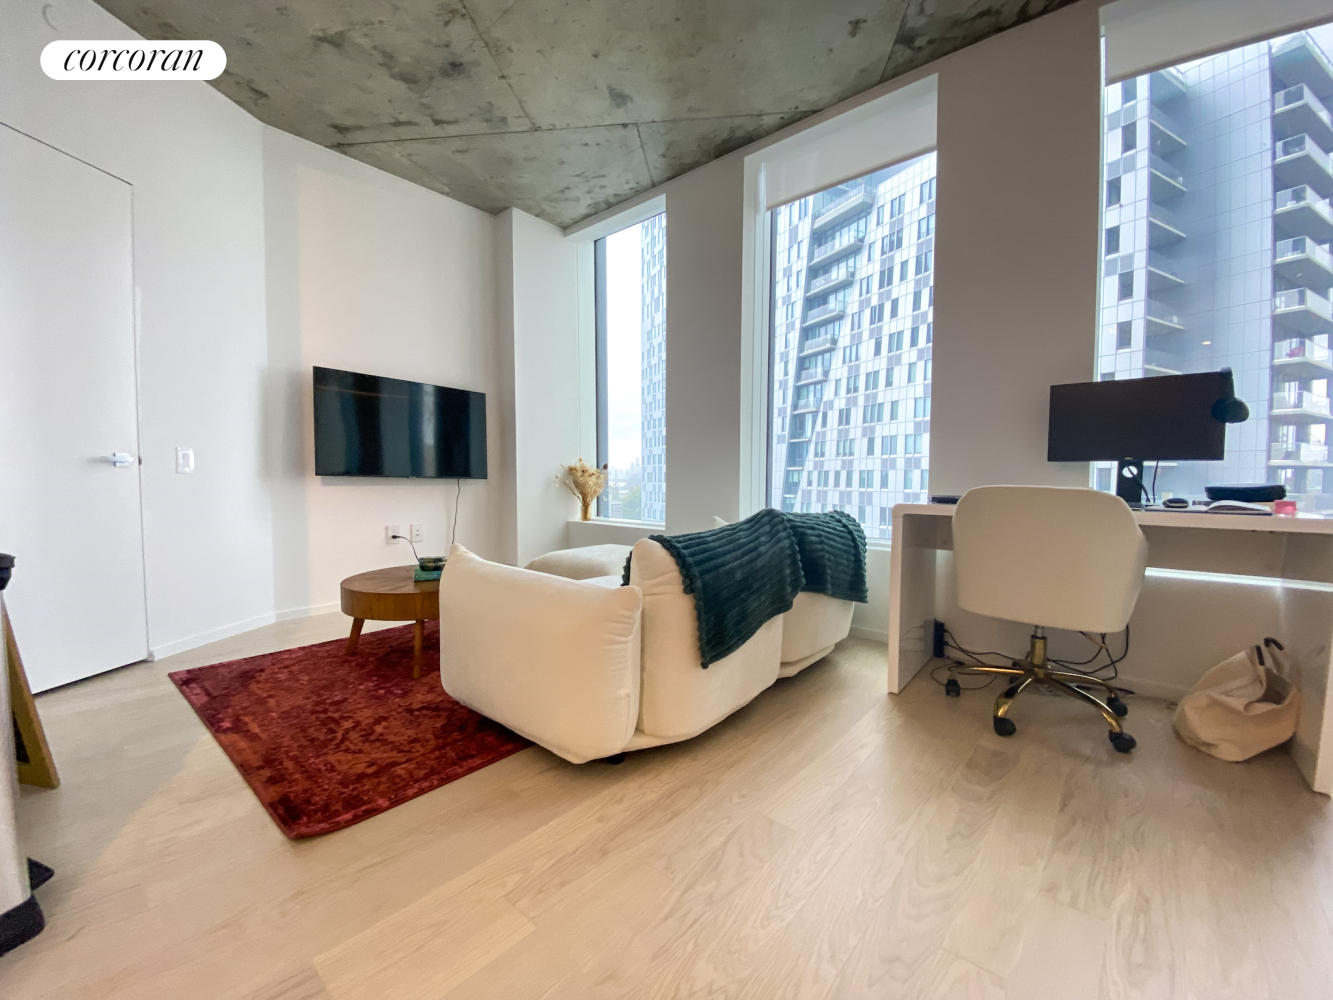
x,y
308,612
212,635
873,634
236,628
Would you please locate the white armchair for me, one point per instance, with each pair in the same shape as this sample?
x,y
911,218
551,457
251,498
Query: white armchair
x,y
587,670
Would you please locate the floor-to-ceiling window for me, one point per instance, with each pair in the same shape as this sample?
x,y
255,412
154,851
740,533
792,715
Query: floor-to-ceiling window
x,y
630,278
852,323
1216,225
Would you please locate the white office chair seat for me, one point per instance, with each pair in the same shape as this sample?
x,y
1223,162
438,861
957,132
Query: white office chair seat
x,y
1054,558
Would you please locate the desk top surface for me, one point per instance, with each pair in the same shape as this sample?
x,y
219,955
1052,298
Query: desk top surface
x,y
1295,524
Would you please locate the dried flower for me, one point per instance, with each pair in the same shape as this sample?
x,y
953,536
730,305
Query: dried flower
x,y
585,481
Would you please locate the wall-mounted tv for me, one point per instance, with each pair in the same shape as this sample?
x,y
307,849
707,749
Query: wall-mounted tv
x,y
366,425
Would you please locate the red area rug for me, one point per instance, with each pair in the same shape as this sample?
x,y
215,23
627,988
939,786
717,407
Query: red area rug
x,y
326,740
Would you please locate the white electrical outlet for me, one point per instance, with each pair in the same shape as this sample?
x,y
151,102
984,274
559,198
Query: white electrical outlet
x,y
414,532
389,531
185,461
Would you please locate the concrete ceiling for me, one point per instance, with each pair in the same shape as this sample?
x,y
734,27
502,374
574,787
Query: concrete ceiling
x,y
562,108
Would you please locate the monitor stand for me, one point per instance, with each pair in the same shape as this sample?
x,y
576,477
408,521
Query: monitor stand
x,y
1129,481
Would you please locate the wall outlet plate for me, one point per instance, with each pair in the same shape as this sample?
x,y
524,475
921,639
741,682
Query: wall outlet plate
x,y
414,532
389,531
185,461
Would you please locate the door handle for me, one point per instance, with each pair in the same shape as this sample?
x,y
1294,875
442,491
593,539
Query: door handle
x,y
119,459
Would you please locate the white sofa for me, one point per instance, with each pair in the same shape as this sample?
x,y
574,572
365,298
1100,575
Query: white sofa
x,y
588,668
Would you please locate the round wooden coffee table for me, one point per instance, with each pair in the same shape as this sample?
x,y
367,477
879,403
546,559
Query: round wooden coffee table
x,y
391,595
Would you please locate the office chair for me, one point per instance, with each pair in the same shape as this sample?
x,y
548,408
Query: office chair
x,y
1057,558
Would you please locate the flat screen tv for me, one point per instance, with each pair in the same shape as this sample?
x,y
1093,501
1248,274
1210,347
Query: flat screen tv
x,y
366,425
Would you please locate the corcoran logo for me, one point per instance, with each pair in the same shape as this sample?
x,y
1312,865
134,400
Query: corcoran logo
x,y
128,60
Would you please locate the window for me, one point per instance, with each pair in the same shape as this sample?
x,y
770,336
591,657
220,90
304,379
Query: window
x,y
834,374
630,293
1112,240
1210,283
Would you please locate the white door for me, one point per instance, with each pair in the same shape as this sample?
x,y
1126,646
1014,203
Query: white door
x,y
69,516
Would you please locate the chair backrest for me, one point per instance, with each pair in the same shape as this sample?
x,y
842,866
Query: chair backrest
x,y
1046,555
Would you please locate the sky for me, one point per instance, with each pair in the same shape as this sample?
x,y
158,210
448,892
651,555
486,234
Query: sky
x,y
624,349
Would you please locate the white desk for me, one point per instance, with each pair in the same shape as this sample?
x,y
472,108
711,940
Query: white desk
x,y
1295,550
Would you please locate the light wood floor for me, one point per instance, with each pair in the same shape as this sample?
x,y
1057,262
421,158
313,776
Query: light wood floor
x,y
827,841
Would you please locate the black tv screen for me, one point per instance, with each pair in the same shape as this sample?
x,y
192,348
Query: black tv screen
x,y
366,425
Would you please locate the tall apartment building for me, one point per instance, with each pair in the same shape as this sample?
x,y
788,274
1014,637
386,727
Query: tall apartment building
x,y
653,341
1216,231
853,321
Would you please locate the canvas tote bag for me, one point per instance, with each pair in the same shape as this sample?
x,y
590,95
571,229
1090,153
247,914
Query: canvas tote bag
x,y
1242,706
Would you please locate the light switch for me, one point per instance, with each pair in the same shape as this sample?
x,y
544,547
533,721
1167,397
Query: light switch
x,y
415,533
184,461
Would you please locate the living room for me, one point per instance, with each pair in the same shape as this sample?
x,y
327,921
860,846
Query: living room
x,y
837,828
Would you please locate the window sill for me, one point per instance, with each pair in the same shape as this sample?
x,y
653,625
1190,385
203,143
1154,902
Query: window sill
x,y
619,522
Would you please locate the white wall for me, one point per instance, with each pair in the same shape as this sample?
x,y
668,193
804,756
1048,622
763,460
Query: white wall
x,y
1016,236
194,160
537,279
369,273
705,289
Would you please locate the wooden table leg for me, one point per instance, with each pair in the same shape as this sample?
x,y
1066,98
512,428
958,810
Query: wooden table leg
x,y
356,634
418,631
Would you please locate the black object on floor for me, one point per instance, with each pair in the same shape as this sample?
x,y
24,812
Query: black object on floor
x,y
20,924
39,874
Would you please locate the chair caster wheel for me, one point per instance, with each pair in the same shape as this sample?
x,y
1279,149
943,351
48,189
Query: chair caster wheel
x,y
952,688
1123,742
1003,727
1117,706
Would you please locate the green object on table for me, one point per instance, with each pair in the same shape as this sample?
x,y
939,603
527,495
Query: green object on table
x,y
420,574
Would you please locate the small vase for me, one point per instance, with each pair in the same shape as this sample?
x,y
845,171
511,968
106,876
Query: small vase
x,y
586,513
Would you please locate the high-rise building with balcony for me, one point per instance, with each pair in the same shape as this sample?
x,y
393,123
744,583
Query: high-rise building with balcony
x,y
1215,246
852,325
653,334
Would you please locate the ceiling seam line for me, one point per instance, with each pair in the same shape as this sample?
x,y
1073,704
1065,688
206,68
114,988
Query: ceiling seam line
x,y
644,153
889,55
574,128
496,63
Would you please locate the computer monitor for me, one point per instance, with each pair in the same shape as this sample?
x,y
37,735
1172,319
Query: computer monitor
x,y
1133,421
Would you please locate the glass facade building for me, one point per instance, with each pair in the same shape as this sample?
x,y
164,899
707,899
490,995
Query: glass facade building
x,y
1215,252
654,369
852,323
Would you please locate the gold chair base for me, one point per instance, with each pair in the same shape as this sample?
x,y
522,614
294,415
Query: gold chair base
x,y
1036,670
